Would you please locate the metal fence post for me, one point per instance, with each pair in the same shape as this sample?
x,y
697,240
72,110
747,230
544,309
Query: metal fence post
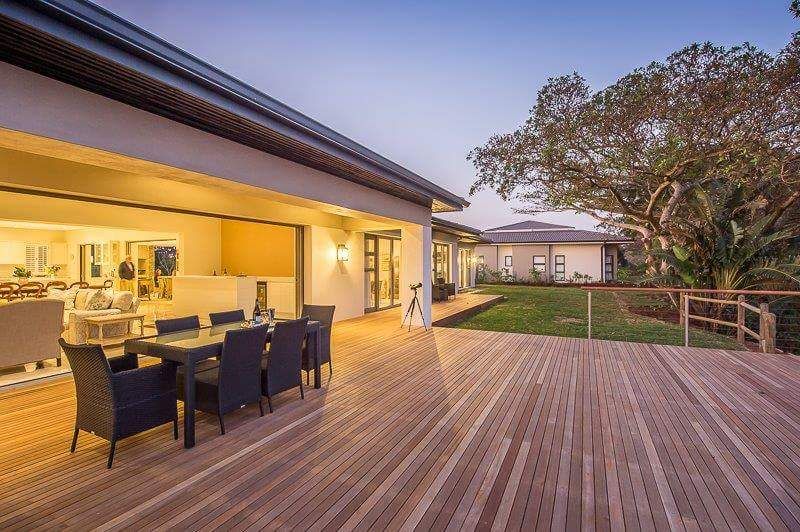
x,y
589,313
686,319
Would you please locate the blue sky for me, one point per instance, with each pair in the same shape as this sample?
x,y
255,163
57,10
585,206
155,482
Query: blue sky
x,y
424,82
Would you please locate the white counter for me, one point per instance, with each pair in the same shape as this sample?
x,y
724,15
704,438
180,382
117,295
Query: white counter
x,y
202,294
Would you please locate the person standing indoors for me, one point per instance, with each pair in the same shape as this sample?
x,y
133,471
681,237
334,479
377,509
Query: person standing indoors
x,y
126,275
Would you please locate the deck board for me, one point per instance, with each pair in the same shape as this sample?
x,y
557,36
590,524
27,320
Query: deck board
x,y
444,429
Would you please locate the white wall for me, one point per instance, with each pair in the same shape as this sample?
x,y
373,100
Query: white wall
x,y
415,267
327,281
581,258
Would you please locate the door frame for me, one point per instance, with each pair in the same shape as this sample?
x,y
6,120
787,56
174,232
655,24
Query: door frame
x,y
374,294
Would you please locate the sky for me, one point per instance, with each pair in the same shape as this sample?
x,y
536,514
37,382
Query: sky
x,y
424,82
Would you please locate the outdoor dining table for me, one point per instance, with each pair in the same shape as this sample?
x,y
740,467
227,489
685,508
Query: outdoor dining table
x,y
191,346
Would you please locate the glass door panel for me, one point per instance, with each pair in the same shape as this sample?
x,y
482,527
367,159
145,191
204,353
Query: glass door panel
x,y
385,268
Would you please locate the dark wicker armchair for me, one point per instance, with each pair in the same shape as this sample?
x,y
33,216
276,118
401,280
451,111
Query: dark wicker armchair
x,y
324,315
281,367
115,403
229,316
448,288
236,382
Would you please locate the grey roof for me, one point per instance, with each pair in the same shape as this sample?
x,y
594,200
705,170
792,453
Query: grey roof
x,y
529,225
552,237
82,44
466,232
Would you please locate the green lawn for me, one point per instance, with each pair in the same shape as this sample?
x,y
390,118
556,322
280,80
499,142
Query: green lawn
x,y
562,312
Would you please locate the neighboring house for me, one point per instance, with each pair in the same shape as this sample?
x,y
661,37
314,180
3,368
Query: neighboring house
x,y
558,252
453,252
112,138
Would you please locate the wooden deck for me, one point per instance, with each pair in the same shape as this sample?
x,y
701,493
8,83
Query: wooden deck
x,y
444,429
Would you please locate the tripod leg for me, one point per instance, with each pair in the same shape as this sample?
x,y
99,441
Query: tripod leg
x,y
421,314
409,311
411,308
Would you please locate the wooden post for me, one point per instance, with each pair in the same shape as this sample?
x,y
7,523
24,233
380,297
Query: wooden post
x,y
740,319
589,314
686,320
766,328
680,307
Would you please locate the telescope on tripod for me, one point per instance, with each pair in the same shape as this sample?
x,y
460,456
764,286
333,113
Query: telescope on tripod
x,y
413,307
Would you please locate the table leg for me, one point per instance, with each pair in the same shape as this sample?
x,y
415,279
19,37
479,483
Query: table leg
x,y
317,373
188,405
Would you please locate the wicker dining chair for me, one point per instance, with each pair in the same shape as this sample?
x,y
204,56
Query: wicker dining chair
x,y
186,323
114,404
79,284
58,285
229,316
324,315
281,366
236,382
31,289
9,291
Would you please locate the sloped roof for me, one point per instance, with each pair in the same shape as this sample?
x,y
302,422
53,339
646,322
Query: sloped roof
x,y
552,237
82,44
529,225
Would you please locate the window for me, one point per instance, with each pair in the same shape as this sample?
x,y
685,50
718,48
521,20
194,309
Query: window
x,y
36,258
540,264
441,261
561,268
508,261
609,267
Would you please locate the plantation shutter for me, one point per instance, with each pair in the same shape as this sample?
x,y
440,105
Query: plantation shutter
x,y
36,258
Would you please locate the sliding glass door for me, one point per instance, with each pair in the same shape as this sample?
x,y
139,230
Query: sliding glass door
x,y
381,272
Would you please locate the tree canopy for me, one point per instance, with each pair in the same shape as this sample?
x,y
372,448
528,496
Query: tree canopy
x,y
644,153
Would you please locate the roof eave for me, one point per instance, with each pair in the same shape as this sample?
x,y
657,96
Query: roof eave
x,y
88,27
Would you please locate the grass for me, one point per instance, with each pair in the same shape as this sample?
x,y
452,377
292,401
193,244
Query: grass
x,y
562,312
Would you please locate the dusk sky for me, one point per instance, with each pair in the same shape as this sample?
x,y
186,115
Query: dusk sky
x,y
422,83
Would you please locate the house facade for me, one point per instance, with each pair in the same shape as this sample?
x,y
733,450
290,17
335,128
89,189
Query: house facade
x,y
557,252
115,143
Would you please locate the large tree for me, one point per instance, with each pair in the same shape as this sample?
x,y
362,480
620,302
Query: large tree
x,y
634,154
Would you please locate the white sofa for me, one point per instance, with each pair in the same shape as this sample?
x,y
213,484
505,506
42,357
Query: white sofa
x,y
77,329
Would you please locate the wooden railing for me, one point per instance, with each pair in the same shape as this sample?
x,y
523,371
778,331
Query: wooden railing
x,y
767,329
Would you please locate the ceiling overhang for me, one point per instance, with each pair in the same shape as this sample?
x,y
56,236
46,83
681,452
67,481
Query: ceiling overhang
x,y
81,44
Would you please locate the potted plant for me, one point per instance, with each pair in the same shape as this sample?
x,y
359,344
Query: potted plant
x,y
53,270
22,273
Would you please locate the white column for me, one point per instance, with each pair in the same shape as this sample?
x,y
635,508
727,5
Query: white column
x,y
456,265
415,267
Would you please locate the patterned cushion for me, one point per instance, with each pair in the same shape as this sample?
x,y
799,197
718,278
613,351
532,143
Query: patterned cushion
x,y
122,301
67,296
100,300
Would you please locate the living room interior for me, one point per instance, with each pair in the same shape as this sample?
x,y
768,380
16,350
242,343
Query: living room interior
x,y
61,255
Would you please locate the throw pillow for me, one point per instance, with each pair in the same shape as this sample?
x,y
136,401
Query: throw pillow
x,y
67,296
98,301
122,301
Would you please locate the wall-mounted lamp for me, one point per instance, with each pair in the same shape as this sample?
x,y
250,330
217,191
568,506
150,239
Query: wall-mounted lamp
x,y
342,253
